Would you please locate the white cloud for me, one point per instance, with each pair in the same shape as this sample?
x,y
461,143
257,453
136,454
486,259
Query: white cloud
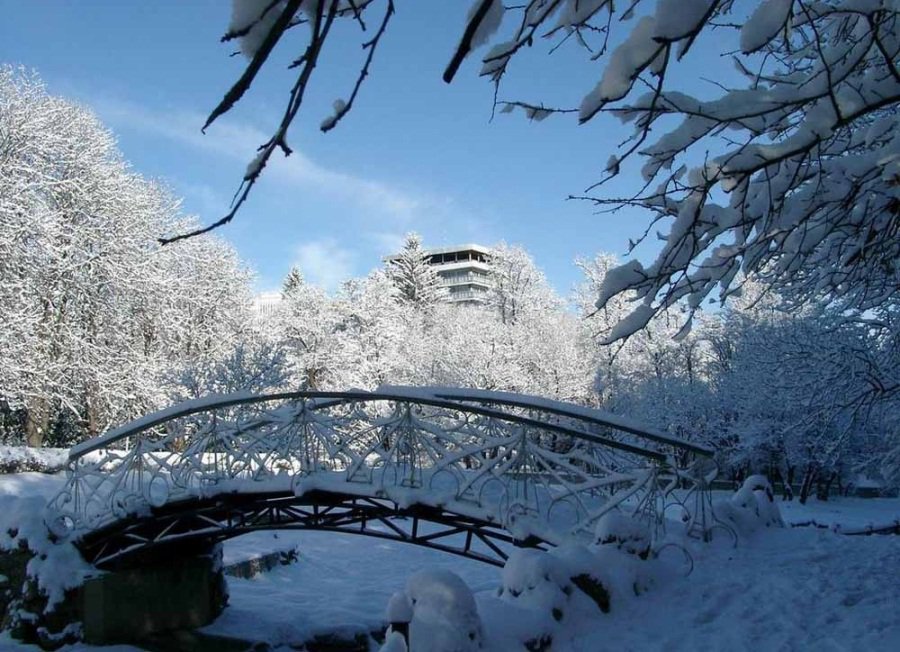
x,y
238,141
377,214
325,263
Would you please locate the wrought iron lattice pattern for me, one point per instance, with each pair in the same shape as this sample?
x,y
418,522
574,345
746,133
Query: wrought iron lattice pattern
x,y
512,468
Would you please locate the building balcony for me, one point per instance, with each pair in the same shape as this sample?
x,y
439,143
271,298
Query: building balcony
x,y
449,279
473,294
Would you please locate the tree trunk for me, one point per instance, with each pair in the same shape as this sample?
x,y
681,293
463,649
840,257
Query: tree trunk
x,y
808,479
92,419
787,491
824,488
36,423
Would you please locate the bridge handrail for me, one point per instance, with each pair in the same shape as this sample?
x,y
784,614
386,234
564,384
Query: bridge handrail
x,y
527,401
491,455
209,403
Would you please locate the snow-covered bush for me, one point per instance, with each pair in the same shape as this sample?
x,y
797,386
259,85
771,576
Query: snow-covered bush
x,y
19,459
574,582
393,642
752,507
444,614
538,581
624,532
42,608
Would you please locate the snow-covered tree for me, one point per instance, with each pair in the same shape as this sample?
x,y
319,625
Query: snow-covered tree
x,y
411,272
800,186
307,326
94,310
372,331
550,357
801,394
292,281
467,346
803,147
597,323
517,284
253,365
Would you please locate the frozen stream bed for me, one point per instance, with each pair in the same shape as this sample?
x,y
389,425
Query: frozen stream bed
x,y
341,583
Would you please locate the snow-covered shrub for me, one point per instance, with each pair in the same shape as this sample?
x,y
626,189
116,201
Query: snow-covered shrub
x,y
573,583
18,459
444,614
538,581
624,532
394,642
752,507
42,607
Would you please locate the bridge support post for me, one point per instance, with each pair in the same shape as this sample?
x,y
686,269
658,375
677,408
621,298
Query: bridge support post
x,y
182,590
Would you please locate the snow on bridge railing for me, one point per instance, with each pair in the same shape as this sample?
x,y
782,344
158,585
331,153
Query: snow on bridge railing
x,y
515,460
550,406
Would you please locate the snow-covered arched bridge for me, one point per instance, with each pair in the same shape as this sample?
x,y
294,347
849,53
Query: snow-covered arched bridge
x,y
463,471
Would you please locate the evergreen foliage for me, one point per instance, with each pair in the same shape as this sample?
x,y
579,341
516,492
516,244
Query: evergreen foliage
x,y
416,280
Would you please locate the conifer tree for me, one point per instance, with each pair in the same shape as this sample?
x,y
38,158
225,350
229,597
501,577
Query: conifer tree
x,y
418,284
292,282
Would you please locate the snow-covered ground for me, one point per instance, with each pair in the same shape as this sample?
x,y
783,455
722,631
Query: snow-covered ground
x,y
843,512
781,589
791,589
341,583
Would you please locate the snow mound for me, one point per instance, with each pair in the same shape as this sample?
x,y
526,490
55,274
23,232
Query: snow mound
x,y
537,581
39,606
445,616
399,609
56,566
624,532
17,459
574,582
752,507
394,642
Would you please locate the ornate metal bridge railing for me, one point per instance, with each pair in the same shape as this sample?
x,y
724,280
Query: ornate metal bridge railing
x,y
538,470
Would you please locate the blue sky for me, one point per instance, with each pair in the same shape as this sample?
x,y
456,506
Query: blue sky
x,y
414,154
